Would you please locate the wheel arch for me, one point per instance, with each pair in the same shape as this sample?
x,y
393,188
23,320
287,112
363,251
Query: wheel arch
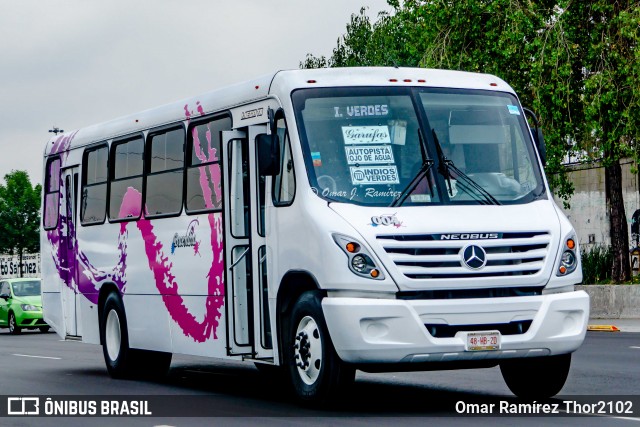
x,y
293,284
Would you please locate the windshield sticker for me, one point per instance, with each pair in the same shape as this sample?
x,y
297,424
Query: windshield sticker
x,y
317,160
399,132
420,198
326,192
363,175
513,109
369,154
372,192
366,134
363,110
386,220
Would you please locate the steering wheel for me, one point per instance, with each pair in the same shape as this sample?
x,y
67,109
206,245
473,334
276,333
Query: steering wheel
x,y
326,181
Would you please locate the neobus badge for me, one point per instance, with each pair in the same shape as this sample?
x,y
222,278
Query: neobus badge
x,y
250,114
469,236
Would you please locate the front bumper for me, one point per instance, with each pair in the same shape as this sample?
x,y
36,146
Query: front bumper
x,y
29,319
367,330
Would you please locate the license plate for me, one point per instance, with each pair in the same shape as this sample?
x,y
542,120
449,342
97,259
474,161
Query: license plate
x,y
483,341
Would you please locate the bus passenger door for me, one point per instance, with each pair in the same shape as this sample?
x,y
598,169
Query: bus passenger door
x,y
263,348
248,323
237,232
68,261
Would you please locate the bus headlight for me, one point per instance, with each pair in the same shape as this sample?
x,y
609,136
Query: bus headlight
x,y
360,261
569,259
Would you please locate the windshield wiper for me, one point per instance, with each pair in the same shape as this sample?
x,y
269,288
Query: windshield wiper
x,y
463,180
427,163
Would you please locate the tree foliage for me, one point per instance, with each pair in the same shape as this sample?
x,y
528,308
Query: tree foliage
x,y
574,62
19,214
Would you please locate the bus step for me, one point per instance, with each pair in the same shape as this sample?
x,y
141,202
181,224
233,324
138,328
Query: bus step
x,y
73,338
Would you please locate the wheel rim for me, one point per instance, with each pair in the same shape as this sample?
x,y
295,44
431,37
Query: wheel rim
x,y
308,350
12,323
113,335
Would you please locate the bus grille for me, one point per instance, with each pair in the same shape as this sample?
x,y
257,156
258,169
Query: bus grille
x,y
424,257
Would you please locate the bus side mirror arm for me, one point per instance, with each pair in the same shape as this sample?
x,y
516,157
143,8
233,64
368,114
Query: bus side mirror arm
x,y
268,147
538,137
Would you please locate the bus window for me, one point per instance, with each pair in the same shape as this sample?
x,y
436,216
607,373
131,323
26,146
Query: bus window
x,y
204,176
52,193
163,190
93,207
125,201
284,184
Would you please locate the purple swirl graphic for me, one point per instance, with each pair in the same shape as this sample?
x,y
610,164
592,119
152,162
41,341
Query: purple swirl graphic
x,y
72,264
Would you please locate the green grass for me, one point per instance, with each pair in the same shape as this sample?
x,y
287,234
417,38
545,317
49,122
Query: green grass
x,y
597,263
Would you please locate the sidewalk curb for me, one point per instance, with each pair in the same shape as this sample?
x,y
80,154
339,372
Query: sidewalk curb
x,y
603,328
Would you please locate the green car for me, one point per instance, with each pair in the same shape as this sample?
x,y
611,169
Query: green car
x,y
21,305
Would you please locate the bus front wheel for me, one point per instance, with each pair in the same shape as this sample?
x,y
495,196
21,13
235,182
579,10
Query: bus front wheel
x,y
317,374
537,377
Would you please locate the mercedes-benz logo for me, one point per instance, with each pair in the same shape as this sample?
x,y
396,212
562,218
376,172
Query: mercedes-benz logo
x,y
474,257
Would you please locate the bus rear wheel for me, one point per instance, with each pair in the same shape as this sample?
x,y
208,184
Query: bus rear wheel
x,y
316,372
115,339
538,377
121,360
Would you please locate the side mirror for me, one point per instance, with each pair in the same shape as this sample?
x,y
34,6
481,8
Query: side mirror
x,y
268,148
5,297
537,136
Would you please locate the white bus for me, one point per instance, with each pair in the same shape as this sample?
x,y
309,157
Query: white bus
x,y
319,221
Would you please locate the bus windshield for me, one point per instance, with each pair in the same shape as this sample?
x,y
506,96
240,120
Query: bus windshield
x,y
381,146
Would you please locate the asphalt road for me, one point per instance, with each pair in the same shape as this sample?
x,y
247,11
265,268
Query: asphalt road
x,y
34,363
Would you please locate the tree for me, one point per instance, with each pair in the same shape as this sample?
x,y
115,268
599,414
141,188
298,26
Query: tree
x,y
575,62
19,215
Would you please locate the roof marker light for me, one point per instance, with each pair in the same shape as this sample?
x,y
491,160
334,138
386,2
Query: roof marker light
x,y
257,87
407,80
311,81
493,84
393,80
422,81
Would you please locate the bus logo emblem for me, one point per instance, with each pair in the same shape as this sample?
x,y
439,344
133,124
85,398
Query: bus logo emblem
x,y
474,257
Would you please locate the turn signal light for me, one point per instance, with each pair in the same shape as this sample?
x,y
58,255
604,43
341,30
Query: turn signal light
x,y
571,244
352,247
374,273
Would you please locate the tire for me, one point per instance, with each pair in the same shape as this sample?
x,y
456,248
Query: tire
x,y
121,360
13,324
536,378
316,372
44,329
114,337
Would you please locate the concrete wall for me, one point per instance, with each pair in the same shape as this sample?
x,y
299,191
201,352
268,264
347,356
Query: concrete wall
x,y
613,301
588,206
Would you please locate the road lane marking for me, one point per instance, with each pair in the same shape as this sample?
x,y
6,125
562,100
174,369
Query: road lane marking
x,y
36,357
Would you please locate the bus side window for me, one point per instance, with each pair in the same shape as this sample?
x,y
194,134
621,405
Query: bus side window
x,y
93,206
204,173
125,199
164,179
284,184
52,193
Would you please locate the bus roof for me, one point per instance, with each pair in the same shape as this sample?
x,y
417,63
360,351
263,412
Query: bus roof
x,y
279,83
